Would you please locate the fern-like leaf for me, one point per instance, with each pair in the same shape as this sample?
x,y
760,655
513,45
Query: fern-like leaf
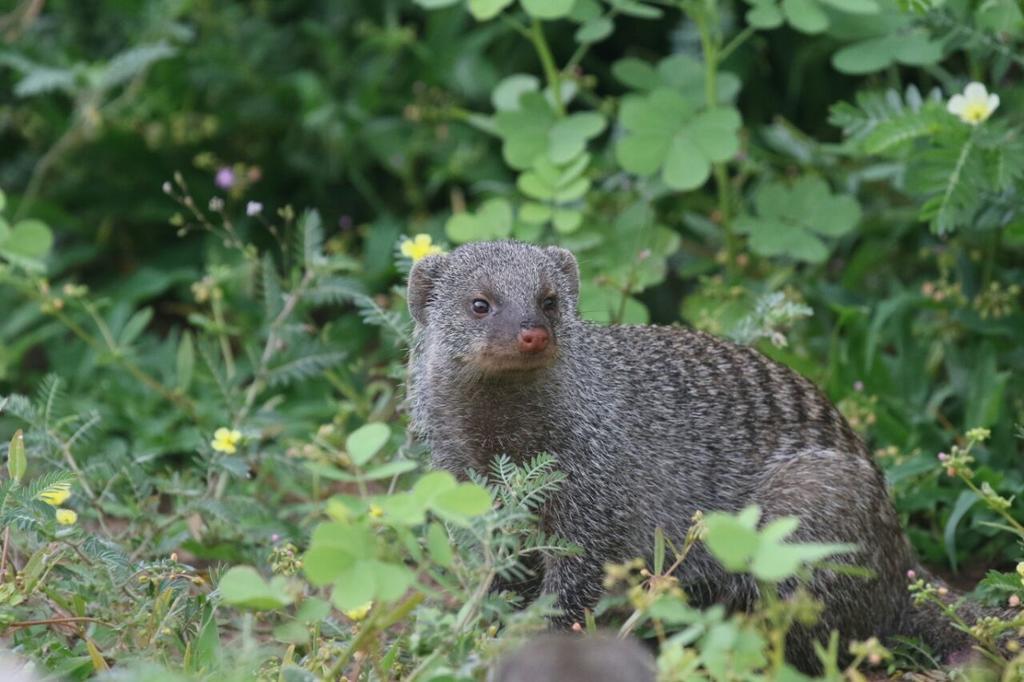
x,y
303,367
127,64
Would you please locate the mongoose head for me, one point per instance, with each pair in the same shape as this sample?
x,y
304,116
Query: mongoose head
x,y
496,307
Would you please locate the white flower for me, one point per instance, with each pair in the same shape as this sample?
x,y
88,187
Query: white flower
x,y
216,204
975,105
253,208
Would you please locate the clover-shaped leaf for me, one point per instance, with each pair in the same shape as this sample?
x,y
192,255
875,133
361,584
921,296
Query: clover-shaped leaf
x,y
366,441
492,221
534,130
482,10
555,189
912,48
506,94
368,580
26,243
665,131
806,16
792,220
678,72
741,547
243,587
335,545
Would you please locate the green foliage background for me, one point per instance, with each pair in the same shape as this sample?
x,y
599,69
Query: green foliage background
x,y
784,173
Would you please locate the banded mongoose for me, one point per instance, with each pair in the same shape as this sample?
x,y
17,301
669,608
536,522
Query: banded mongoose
x,y
649,424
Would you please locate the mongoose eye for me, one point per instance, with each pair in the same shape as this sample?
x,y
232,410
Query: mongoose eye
x,y
480,306
549,303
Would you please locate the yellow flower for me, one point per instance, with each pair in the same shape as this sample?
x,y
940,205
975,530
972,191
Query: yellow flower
x,y
376,512
975,105
226,440
56,494
360,612
66,517
419,247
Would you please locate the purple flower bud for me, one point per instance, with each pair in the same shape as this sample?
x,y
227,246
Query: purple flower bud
x,y
345,222
858,386
225,178
943,456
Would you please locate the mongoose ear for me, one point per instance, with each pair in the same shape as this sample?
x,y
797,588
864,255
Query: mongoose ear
x,y
422,279
567,265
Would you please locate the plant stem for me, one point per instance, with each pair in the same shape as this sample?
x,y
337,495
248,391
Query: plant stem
x,y
540,44
713,55
736,42
222,334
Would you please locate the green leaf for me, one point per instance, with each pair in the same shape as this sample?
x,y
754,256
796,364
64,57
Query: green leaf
x,y
355,585
17,462
964,502
863,57
777,561
714,132
524,131
135,326
854,6
636,73
30,239
482,10
493,220
567,220
685,166
185,361
765,15
206,649
534,213
594,30
632,8
366,441
805,15
774,238
568,137
547,9
664,131
399,466
431,485
404,509
459,504
3,200
392,580
439,545
791,218
918,49
333,548
436,4
731,541
243,587
505,96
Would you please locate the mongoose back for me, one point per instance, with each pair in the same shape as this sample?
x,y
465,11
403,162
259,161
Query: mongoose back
x,y
649,424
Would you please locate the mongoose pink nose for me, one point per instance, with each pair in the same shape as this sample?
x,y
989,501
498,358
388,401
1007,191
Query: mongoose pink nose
x,y
533,340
